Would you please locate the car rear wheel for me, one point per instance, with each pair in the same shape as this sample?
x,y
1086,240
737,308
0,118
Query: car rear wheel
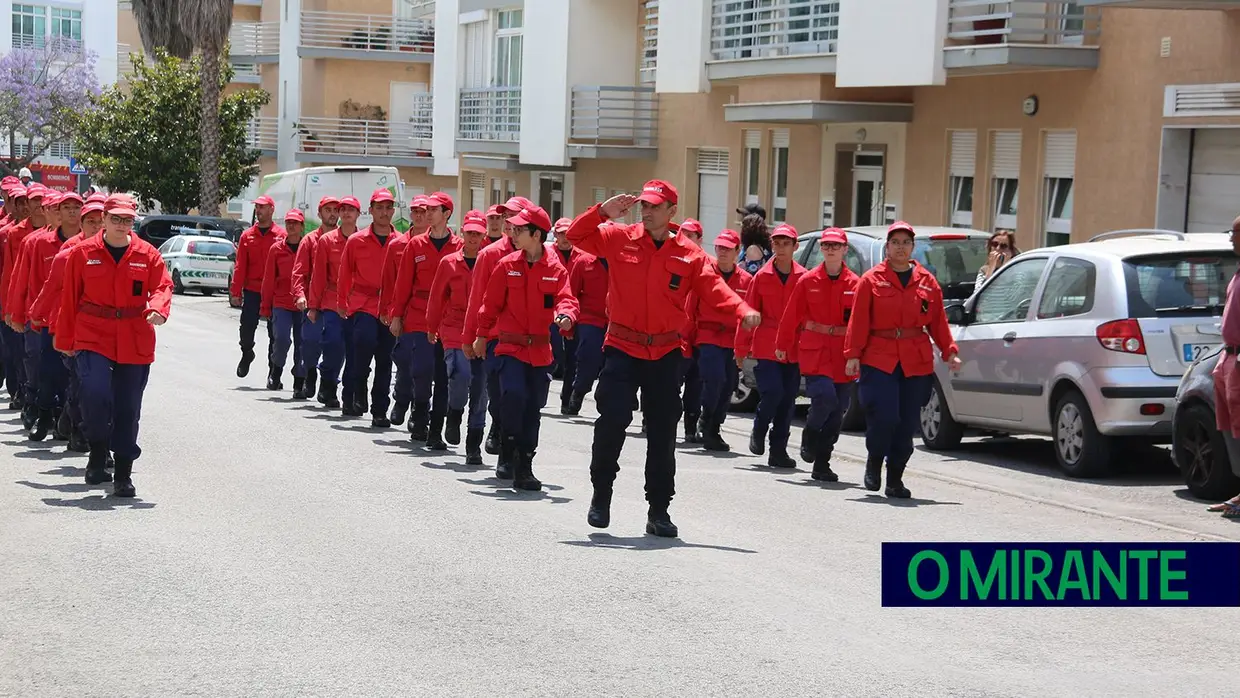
x,y
1082,451
1201,453
177,287
854,416
939,430
744,398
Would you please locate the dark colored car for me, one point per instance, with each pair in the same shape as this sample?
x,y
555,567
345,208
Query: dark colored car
x,y
1208,459
159,228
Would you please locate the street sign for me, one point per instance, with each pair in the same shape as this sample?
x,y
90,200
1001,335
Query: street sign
x,y
76,167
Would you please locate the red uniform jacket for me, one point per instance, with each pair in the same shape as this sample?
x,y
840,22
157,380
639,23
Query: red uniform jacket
x,y
488,258
520,303
587,279
707,324
12,246
770,297
392,256
278,279
449,301
46,307
252,259
815,321
883,306
98,290
648,287
417,272
303,265
33,269
361,272
325,279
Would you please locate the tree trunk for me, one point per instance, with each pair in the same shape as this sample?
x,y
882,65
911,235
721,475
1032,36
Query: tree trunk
x,y
209,131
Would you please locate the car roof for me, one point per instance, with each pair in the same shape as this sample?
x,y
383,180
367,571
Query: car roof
x,y
217,220
196,238
879,232
1152,243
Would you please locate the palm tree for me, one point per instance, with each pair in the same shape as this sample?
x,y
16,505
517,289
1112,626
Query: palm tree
x,y
160,27
206,23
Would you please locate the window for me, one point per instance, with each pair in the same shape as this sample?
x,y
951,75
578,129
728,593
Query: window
x,y
780,142
508,48
1069,289
496,192
753,161
21,150
963,166
1007,298
961,202
1006,194
29,26
510,190
1172,282
67,24
1072,22
1058,211
61,149
650,42
814,258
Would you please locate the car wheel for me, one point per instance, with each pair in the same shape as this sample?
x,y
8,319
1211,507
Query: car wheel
x,y
208,292
744,398
1201,453
177,287
939,430
854,416
1082,451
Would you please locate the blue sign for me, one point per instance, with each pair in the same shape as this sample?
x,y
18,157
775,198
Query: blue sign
x,y
76,167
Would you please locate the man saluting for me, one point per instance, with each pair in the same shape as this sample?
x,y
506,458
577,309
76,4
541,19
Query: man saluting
x,y
651,274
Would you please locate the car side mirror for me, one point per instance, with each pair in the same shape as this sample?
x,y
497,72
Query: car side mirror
x,y
957,315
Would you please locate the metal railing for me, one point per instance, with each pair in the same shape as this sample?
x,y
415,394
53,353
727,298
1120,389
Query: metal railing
x,y
490,114
765,28
245,72
262,133
616,116
254,39
973,22
124,67
360,137
358,32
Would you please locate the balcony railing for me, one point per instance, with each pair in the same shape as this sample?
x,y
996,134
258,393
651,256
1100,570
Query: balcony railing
x,y
124,67
246,72
361,138
615,116
262,133
371,33
981,22
766,28
490,114
254,39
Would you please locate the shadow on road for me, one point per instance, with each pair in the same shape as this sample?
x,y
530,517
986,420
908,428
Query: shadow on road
x,y
67,488
606,540
766,468
361,428
331,417
46,453
100,503
249,389
507,494
823,485
1135,466
907,503
455,467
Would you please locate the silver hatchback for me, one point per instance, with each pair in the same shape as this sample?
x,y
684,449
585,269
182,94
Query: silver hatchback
x,y
1085,343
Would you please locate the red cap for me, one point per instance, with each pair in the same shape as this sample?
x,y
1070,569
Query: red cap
x,y
419,201
91,207
17,191
899,226
36,191
121,208
656,191
441,199
515,205
51,198
495,210
328,201
729,239
10,179
70,196
783,230
834,235
563,223
96,197
295,214
265,200
690,226
351,201
381,194
118,198
532,215
474,222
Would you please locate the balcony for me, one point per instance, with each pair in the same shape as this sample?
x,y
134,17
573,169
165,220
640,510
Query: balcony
x,y
246,74
124,66
760,38
366,37
262,134
357,141
999,37
490,121
1165,4
614,122
254,42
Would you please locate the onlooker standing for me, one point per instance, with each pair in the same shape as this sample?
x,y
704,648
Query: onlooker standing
x,y
1227,371
1001,249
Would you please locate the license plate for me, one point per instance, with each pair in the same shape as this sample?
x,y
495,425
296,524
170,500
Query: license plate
x,y
1192,352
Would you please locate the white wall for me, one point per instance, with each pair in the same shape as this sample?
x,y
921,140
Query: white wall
x,y
99,19
603,41
288,100
445,79
683,45
894,136
544,82
874,51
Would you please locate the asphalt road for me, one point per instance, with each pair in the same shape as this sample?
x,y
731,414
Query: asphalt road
x,y
278,550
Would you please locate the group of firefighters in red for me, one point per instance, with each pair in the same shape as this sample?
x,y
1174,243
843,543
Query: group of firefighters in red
x,y
470,320
80,296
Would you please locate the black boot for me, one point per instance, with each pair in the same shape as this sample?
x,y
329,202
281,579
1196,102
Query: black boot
x,y
757,438
123,486
523,472
873,474
659,523
434,433
399,410
822,465
299,388
97,465
64,425
379,421
692,435
504,467
809,444
572,408
273,378
895,483
418,430
312,383
77,442
712,439
779,458
327,395
492,444
600,509
30,415
243,367
452,428
45,423
473,447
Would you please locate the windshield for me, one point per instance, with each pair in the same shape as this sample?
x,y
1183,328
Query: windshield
x,y
954,263
1189,282
210,248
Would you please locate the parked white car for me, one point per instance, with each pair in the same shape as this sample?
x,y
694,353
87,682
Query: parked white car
x,y
1085,343
201,262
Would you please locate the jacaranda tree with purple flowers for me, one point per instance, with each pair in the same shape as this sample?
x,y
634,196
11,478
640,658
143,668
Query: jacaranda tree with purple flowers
x,y
41,89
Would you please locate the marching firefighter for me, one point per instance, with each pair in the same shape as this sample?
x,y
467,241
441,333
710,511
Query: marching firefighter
x,y
303,270
445,325
714,336
326,304
280,308
11,237
402,352
587,279
779,382
495,225
899,309
527,291
32,344
691,381
563,348
650,275
812,330
246,290
116,291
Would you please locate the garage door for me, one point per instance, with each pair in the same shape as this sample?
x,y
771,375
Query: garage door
x,y
1214,182
712,193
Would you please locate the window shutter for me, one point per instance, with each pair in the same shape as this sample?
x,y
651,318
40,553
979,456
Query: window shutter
x,y
712,161
477,180
753,140
1005,155
964,153
600,194
780,138
1060,156
475,55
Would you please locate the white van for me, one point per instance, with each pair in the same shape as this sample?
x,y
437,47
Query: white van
x,y
303,188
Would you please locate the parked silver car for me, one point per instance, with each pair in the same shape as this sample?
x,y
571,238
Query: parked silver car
x,y
201,262
1208,459
1085,343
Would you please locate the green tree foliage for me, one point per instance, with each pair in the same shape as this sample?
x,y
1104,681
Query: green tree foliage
x,y
144,137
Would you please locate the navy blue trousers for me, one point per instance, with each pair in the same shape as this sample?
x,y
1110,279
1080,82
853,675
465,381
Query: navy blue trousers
x,y
523,391
372,343
53,378
892,403
311,341
778,385
718,375
467,386
828,401
589,357
288,326
111,400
